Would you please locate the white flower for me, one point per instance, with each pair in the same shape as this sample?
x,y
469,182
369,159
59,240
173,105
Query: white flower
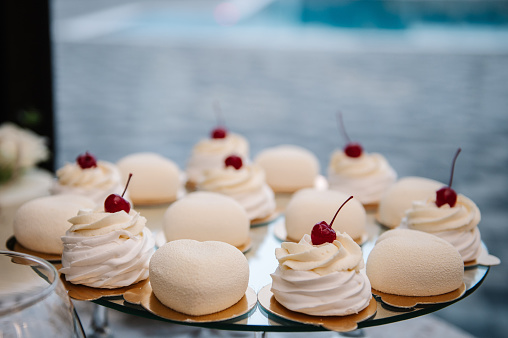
x,y
21,148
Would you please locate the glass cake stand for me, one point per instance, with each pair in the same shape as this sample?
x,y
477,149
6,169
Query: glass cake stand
x,y
262,263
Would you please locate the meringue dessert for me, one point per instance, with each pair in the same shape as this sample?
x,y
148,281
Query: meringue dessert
x,y
243,182
107,249
308,205
210,153
88,177
400,196
321,280
207,216
413,263
158,179
366,177
40,223
198,278
458,225
288,168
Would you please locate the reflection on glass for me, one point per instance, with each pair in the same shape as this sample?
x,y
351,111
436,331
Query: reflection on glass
x,y
33,301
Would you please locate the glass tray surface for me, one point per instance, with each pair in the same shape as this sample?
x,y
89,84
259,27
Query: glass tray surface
x,y
262,263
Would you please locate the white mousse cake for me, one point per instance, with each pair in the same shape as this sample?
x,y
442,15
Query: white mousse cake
x,y
458,225
107,249
413,263
40,223
156,179
207,216
96,182
288,168
310,206
210,153
321,280
198,278
366,177
400,196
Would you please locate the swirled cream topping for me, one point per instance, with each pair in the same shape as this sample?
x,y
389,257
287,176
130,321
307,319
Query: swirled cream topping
x,y
107,250
321,280
457,225
366,177
210,154
96,183
246,185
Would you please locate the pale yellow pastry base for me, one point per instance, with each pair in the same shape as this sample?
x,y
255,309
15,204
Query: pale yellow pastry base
x,y
334,323
82,292
265,220
145,297
13,245
407,302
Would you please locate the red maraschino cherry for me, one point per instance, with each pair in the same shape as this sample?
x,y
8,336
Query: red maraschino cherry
x,y
447,194
234,161
220,131
352,149
322,232
115,202
86,161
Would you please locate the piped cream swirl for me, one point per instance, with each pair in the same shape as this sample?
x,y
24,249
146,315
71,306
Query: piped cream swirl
x,y
366,177
96,183
210,154
457,225
321,280
246,185
107,250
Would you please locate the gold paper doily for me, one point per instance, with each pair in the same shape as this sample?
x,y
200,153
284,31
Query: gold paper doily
x,y
333,323
407,302
13,245
145,297
82,292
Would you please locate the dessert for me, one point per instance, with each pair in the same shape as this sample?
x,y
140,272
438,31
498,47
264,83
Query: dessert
x,y
322,275
207,216
413,263
108,247
88,177
40,223
364,175
20,179
307,205
198,278
288,168
243,182
400,196
448,215
158,179
210,153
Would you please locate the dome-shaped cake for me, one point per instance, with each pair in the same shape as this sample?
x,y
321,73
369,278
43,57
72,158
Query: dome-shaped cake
x,y
310,206
40,223
155,179
288,168
198,278
207,216
400,196
414,263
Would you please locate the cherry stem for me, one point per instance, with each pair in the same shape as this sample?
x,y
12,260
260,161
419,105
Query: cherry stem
x,y
127,184
218,113
453,166
350,197
340,122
